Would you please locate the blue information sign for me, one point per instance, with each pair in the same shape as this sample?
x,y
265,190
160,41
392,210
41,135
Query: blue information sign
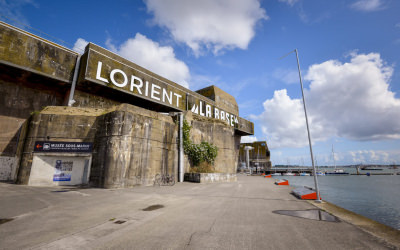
x,y
63,147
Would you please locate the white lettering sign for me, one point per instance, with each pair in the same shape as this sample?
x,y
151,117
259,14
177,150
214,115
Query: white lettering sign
x,y
218,114
150,90
155,91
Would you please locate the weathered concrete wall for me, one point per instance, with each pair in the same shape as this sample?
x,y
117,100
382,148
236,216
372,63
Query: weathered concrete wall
x,y
210,177
221,135
57,124
222,99
88,100
132,146
16,105
22,93
8,168
23,50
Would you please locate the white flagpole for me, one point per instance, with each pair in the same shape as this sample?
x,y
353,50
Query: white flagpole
x,y
308,131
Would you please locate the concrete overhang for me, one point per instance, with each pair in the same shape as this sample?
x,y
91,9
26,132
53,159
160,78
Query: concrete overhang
x,y
27,52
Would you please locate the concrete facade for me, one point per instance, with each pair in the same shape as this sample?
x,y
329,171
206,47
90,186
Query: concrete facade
x,y
259,156
125,112
132,145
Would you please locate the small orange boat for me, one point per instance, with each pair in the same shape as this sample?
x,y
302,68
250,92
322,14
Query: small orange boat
x,y
282,182
305,193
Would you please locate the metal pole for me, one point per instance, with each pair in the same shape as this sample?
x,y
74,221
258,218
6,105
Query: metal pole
x,y
308,130
180,167
247,160
71,100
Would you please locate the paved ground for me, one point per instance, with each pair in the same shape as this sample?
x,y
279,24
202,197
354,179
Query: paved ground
x,y
194,216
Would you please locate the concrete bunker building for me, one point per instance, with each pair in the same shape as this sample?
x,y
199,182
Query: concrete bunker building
x,y
99,119
259,156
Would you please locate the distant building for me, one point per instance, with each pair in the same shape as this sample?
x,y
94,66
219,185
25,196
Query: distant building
x,y
259,156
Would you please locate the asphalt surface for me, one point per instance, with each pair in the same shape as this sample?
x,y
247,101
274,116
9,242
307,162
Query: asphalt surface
x,y
239,215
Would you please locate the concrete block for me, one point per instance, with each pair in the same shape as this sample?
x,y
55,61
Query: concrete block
x,y
210,177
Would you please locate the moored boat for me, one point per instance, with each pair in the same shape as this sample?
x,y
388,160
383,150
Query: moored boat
x,y
336,171
283,182
305,193
289,174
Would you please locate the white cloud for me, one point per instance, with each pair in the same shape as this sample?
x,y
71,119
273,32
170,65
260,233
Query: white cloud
x,y
248,139
289,2
80,45
368,5
208,24
152,56
354,98
372,156
283,121
350,100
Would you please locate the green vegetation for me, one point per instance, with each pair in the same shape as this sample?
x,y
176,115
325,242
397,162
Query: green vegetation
x,y
201,155
35,112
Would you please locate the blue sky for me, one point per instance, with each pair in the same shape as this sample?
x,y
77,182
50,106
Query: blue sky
x,y
349,55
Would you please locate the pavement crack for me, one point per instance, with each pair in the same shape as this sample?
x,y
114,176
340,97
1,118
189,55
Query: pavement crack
x,y
190,239
204,232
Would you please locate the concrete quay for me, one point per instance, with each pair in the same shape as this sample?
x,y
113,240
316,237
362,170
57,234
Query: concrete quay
x,y
235,215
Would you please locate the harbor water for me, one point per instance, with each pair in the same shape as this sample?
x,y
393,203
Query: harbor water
x,y
376,197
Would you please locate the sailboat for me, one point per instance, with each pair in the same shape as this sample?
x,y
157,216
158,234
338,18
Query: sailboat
x,y
336,171
288,172
275,173
318,172
302,166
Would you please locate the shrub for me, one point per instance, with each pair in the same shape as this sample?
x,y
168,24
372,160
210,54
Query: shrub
x,y
198,153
